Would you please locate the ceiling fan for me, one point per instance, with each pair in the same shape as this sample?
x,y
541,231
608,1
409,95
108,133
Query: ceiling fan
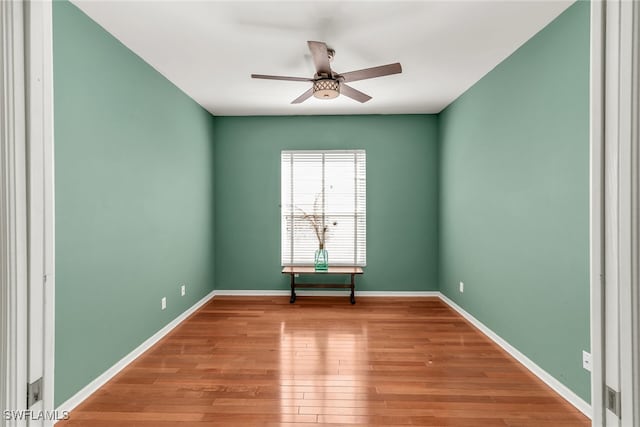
x,y
327,84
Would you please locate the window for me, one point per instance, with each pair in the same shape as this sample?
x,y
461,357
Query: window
x,y
327,188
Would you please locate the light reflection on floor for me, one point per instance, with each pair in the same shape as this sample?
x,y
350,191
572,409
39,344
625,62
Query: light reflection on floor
x,y
321,364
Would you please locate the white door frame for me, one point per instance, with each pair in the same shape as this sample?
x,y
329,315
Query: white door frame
x,y
627,218
40,190
13,210
26,207
630,210
615,205
635,216
596,209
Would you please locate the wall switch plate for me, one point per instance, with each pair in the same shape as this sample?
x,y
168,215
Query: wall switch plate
x,y
461,287
586,360
163,303
183,289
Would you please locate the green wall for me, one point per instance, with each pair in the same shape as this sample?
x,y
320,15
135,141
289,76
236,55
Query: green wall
x,y
134,200
514,199
402,202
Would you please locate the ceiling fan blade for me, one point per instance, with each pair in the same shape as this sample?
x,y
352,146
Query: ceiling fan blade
x,y
291,79
303,97
369,73
320,56
352,93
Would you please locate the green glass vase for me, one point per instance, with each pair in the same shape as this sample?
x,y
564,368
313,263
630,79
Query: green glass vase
x,y
321,260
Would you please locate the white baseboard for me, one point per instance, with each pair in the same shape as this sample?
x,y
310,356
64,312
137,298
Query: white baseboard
x,y
94,385
250,293
547,378
403,294
306,292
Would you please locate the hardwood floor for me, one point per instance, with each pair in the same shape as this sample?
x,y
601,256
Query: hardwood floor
x,y
245,361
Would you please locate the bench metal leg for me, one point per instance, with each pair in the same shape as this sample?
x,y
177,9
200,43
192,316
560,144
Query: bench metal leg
x,y
293,289
353,288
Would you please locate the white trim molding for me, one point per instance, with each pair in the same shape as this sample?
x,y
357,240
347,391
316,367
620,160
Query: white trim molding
x,y
635,212
398,294
547,378
596,208
94,385
345,293
26,205
40,222
625,100
13,210
616,318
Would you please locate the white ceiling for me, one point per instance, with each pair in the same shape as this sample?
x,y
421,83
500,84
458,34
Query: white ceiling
x,y
209,48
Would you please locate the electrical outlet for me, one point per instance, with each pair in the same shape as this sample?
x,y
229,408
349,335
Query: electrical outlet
x,y
163,303
461,287
183,289
586,360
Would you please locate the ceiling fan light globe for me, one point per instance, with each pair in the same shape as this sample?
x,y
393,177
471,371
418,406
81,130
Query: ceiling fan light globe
x,y
326,89
326,94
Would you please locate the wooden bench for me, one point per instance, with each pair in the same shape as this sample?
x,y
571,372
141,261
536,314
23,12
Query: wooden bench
x,y
296,270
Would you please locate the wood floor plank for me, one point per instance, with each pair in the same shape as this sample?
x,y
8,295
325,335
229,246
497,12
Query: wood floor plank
x,y
249,361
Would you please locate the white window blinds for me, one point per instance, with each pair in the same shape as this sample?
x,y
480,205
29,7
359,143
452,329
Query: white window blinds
x,y
324,190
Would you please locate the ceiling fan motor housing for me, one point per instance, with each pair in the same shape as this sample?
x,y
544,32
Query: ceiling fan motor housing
x,y
326,89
